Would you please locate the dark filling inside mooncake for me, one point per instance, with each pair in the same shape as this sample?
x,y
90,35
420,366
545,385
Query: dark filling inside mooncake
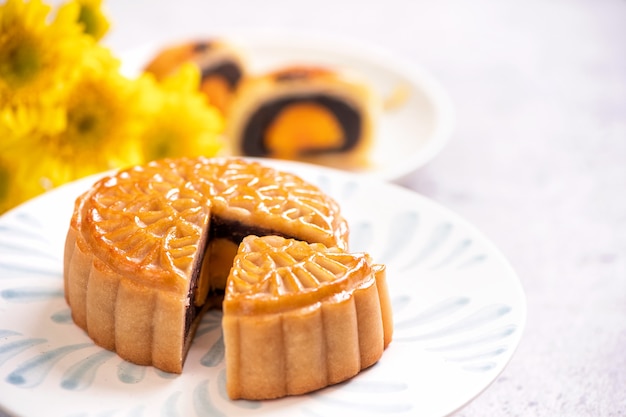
x,y
229,71
233,231
193,310
254,140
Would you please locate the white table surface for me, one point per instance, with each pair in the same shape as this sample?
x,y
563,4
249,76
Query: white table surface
x,y
537,160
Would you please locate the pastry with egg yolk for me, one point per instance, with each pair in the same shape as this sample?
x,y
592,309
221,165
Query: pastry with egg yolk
x,y
221,67
306,113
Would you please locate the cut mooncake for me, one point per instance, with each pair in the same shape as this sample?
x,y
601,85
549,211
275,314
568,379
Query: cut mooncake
x,y
138,239
221,67
299,317
307,113
152,247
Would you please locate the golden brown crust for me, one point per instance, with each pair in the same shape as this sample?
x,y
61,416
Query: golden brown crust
x,y
136,237
299,317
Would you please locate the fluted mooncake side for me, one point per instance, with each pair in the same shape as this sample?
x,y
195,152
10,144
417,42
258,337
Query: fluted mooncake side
x,y
299,317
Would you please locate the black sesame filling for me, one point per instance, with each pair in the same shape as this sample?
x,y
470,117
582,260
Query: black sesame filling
x,y
192,309
235,231
228,70
253,143
232,230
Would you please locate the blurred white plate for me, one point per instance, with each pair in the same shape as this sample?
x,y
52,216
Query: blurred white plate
x,y
459,313
408,136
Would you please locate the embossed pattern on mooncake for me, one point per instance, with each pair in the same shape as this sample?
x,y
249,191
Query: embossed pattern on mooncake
x,y
151,218
148,219
275,274
244,190
300,316
149,248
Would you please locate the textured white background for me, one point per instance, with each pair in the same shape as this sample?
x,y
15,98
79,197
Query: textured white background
x,y
537,160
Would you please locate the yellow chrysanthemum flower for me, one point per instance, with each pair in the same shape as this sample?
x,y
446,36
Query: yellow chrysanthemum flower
x,y
178,121
36,56
92,18
39,61
20,122
67,112
101,129
101,125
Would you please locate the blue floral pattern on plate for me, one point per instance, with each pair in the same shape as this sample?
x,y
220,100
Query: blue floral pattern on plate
x,y
459,312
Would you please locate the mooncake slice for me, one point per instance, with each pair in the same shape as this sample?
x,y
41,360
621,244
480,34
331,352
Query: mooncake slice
x,y
307,113
221,66
299,317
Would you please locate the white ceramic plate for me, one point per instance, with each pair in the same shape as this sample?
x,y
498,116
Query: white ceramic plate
x,y
459,313
407,137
